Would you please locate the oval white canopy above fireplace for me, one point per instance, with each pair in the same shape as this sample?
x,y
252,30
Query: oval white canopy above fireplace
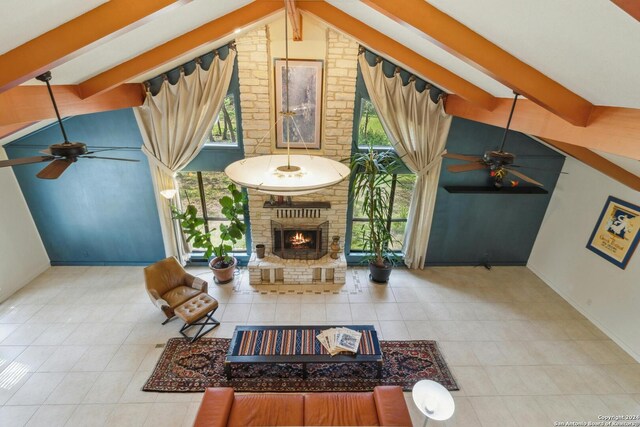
x,y
273,175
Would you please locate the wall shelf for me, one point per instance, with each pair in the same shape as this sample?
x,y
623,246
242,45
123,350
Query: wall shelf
x,y
465,189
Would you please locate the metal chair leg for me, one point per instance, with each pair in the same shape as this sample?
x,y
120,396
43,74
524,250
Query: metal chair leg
x,y
207,319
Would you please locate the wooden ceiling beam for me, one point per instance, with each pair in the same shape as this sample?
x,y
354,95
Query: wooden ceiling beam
x,y
75,37
479,52
384,45
295,18
158,56
26,104
597,162
632,7
612,130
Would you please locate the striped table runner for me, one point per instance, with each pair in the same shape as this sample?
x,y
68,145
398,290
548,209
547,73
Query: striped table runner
x,y
283,342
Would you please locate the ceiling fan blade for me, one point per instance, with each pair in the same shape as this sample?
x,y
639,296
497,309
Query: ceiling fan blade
x,y
462,157
523,177
109,158
54,169
25,161
466,167
46,151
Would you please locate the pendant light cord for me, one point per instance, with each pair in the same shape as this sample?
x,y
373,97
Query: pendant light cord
x,y
506,130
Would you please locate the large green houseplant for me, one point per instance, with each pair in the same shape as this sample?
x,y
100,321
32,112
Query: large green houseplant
x,y
372,173
223,264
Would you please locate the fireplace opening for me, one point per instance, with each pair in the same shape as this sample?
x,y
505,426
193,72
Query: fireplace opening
x,y
299,241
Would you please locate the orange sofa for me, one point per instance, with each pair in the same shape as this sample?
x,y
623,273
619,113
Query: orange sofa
x,y
385,406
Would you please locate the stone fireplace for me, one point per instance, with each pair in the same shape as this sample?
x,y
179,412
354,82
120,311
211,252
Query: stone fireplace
x,y
284,263
301,241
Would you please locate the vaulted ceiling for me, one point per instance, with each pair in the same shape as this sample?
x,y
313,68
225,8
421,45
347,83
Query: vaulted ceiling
x,y
576,62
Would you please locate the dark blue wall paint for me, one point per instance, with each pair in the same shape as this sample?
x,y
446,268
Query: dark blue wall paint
x,y
98,212
499,229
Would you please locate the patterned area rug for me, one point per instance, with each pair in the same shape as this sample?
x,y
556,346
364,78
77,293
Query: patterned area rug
x,y
185,367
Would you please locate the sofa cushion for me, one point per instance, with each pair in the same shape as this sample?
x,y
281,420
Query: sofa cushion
x,y
267,410
215,407
391,406
340,409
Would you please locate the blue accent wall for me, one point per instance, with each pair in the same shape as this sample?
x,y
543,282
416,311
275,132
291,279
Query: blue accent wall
x,y
496,228
99,212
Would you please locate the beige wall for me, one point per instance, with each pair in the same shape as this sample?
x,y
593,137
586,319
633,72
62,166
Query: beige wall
x,y
22,255
256,52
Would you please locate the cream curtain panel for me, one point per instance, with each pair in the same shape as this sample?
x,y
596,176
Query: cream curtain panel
x,y
418,129
173,124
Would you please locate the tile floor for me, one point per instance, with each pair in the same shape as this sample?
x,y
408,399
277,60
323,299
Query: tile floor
x,y
77,344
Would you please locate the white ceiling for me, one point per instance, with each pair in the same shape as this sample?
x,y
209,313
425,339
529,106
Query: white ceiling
x,y
591,47
23,20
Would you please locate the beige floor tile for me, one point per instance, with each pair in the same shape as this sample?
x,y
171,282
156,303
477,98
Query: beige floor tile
x,y
473,381
96,358
412,311
262,313
134,394
338,313
129,415
458,353
73,388
36,389
108,387
388,311
128,357
421,330
589,407
506,381
90,415
393,330
25,334
492,411
313,313
526,411
51,416
236,313
167,414
56,334
558,408
16,416
63,358
363,312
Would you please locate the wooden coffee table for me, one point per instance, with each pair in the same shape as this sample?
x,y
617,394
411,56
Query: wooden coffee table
x,y
296,345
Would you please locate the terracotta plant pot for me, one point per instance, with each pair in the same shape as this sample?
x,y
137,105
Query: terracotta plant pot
x,y
223,275
260,248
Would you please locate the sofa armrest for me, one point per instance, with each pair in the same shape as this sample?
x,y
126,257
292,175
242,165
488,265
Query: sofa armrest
x,y
195,283
161,304
391,407
215,407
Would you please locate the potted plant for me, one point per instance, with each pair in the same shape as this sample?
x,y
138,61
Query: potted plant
x,y
223,264
372,173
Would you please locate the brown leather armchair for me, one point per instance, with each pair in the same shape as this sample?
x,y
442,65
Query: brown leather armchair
x,y
169,285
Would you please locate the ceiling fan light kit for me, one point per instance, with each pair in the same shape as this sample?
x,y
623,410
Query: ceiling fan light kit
x,y
496,161
61,155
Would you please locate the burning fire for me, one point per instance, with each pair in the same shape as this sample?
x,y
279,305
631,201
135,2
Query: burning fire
x,y
299,239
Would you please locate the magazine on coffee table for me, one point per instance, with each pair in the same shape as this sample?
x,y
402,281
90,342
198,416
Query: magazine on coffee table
x,y
340,340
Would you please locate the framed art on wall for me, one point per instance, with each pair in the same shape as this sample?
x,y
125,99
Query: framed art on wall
x,y
305,100
616,234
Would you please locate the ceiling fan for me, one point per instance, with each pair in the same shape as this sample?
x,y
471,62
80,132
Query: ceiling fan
x,y
495,161
62,155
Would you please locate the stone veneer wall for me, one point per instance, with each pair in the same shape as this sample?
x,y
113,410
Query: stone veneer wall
x,y
255,66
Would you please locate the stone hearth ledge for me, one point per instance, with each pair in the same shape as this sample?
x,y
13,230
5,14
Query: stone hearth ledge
x,y
273,269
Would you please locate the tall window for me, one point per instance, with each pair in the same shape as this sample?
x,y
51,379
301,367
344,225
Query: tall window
x,y
225,129
371,133
203,190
